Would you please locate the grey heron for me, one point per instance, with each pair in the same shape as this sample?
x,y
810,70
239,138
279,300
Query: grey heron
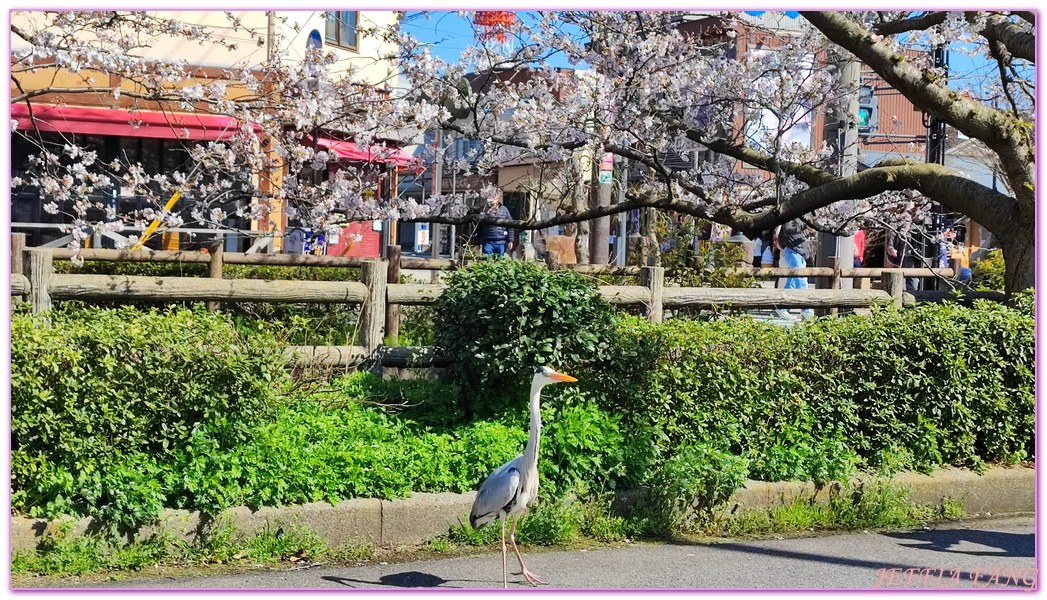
x,y
511,489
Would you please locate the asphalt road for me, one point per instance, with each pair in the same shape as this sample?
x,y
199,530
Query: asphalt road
x,y
997,553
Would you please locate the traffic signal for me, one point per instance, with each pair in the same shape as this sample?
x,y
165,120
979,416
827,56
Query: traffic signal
x,y
867,109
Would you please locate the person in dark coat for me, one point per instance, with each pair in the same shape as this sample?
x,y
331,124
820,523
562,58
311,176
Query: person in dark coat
x,y
900,255
495,239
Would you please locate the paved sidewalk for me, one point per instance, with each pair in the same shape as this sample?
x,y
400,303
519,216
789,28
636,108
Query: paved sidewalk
x,y
981,553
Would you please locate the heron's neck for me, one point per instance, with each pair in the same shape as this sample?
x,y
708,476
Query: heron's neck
x,y
531,450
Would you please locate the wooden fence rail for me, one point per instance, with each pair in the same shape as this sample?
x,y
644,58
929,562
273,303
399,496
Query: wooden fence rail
x,y
380,294
406,262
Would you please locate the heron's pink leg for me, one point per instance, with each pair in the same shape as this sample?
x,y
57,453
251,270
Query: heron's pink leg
x,y
505,576
531,578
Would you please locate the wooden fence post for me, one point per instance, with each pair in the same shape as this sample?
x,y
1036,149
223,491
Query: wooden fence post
x,y
215,250
653,278
894,284
835,282
956,264
373,274
17,248
38,268
392,311
552,260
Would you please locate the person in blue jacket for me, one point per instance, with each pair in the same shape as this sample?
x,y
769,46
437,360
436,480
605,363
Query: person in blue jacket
x,y
495,239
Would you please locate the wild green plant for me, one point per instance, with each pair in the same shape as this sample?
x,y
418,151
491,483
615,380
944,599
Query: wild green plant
x,y
286,542
865,504
695,482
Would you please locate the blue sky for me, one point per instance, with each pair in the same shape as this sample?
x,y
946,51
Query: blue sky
x,y
447,34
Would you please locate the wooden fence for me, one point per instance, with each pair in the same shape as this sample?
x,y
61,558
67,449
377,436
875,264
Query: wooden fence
x,y
33,277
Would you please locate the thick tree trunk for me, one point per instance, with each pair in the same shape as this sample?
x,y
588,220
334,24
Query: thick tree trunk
x,y
1019,254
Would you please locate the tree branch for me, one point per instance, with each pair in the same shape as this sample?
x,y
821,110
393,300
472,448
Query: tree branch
x,y
1019,43
632,202
1002,132
919,23
994,210
1026,15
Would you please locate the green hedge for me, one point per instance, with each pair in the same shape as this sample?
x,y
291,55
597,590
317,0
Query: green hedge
x,y
96,393
915,388
500,319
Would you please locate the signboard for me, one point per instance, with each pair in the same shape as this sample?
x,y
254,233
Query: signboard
x,y
605,176
421,236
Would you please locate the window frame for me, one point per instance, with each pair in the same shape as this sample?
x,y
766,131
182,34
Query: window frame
x,y
335,16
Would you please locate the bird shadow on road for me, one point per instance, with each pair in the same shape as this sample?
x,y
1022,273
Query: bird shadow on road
x,y
407,579
1018,545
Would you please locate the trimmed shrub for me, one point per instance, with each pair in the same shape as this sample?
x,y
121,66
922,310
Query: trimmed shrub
x,y
501,319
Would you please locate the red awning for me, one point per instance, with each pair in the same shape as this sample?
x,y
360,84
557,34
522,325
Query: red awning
x,y
182,126
118,121
350,151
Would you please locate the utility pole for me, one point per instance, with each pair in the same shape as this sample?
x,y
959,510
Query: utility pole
x,y
834,247
271,179
935,154
270,35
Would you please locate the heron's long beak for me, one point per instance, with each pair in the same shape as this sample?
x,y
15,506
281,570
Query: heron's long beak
x,y
562,377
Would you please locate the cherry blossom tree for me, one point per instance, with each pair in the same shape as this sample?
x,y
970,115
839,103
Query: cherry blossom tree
x,y
649,89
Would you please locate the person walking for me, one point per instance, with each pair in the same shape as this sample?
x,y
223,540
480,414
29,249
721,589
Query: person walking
x,y
859,248
901,256
792,240
495,239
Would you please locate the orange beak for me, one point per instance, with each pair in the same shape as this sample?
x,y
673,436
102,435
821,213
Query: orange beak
x,y
564,378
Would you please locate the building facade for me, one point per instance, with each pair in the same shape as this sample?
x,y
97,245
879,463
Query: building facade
x,y
99,111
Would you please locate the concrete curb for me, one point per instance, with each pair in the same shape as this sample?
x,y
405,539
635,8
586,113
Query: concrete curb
x,y
423,516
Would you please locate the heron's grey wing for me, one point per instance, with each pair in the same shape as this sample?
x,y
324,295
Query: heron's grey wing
x,y
494,494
